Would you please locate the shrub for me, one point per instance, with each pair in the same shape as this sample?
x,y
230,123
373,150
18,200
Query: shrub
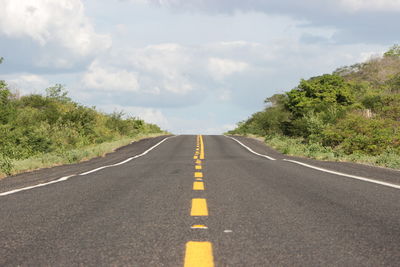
x,y
356,133
35,125
6,165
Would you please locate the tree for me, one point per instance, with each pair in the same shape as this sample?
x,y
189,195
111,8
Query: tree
x,y
277,100
58,92
318,94
2,82
7,109
394,51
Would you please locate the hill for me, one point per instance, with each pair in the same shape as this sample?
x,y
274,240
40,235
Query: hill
x,y
351,114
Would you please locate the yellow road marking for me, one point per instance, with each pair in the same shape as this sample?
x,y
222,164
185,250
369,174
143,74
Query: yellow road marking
x,y
199,207
201,147
198,175
199,226
199,254
198,186
195,157
197,167
198,161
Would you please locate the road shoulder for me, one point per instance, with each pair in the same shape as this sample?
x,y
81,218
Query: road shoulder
x,y
49,174
358,169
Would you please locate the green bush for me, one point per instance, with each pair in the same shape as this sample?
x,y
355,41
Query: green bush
x,y
6,165
34,125
356,133
390,158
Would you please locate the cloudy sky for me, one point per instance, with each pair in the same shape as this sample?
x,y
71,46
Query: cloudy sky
x,y
191,66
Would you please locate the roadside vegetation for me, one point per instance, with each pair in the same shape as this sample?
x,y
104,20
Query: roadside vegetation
x,y
45,130
352,114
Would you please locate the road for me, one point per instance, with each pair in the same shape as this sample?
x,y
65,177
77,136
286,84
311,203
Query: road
x,y
201,201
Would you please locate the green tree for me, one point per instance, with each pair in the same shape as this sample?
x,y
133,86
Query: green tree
x,y
394,51
7,107
355,133
318,94
58,92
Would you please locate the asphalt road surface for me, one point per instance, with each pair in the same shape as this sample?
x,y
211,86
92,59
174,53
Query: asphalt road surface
x,y
201,201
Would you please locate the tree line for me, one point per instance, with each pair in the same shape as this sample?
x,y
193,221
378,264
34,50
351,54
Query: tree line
x,y
35,124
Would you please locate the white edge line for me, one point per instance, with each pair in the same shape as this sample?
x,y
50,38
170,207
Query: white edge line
x,y
34,186
128,159
249,149
345,174
62,179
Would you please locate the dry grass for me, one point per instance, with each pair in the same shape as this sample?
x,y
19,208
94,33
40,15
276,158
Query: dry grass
x,y
377,70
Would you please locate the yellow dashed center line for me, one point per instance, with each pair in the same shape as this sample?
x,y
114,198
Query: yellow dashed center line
x,y
199,254
201,147
198,186
199,207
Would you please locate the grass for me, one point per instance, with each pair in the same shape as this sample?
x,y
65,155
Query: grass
x,y
72,156
297,147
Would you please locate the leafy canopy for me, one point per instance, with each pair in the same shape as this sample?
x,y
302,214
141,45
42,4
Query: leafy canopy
x,y
318,93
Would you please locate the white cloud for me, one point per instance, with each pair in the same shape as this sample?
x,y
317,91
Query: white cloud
x,y
150,115
170,70
121,29
27,83
357,21
155,70
110,79
372,5
220,68
225,95
169,62
364,56
228,73
272,5
52,24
